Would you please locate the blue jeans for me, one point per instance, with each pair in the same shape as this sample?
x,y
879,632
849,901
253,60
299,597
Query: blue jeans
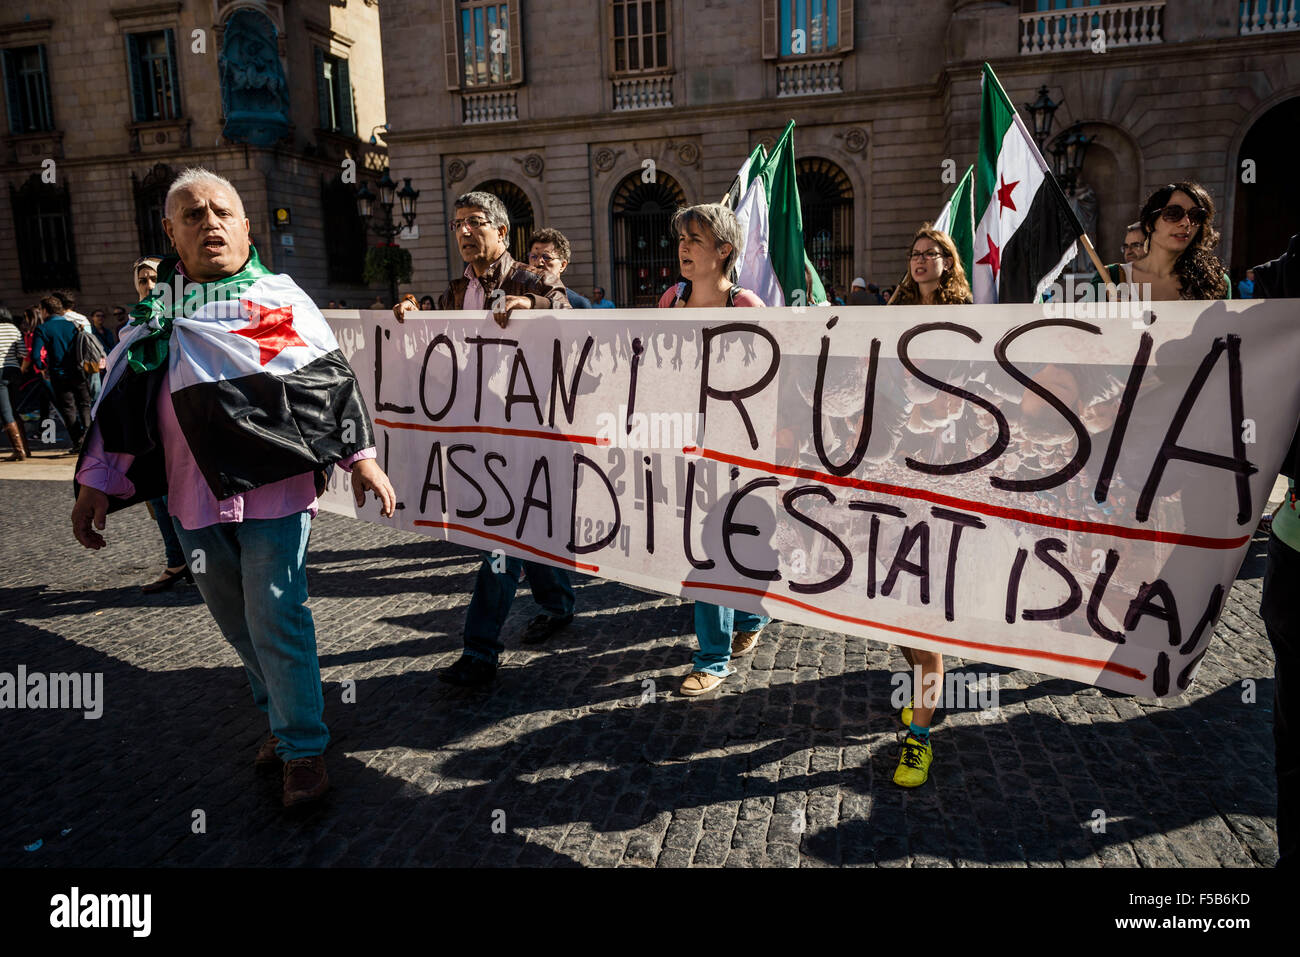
x,y
6,406
253,577
172,544
493,593
714,626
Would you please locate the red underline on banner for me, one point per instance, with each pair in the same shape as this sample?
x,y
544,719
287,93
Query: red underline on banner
x,y
1125,670
496,430
996,511
452,526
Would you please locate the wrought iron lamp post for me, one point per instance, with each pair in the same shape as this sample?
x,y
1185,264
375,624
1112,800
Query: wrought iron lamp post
x,y
389,195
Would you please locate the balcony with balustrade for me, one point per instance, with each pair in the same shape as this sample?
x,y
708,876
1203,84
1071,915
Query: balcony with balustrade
x,y
1075,28
1269,16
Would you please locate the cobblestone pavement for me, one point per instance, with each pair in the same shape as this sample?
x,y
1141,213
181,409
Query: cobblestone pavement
x,y
568,759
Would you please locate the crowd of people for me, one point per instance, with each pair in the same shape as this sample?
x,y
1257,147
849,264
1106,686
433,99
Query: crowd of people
x,y
1169,248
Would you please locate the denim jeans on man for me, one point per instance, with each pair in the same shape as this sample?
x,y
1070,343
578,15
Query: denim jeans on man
x,y
253,579
494,592
171,544
714,627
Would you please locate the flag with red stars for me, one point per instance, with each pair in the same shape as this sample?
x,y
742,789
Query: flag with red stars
x,y
1025,232
259,384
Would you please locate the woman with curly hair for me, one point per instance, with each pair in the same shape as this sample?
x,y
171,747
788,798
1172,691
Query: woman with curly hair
x,y
935,276
1178,222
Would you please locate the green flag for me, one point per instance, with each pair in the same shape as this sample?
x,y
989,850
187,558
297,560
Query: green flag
x,y
958,219
785,223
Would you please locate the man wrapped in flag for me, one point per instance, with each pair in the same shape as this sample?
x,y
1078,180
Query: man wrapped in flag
x,y
228,393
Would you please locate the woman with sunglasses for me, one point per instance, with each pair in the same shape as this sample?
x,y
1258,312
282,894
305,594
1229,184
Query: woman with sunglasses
x,y
934,277
1178,224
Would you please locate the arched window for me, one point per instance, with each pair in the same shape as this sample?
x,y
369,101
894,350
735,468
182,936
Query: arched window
x,y
645,255
47,257
1267,207
149,196
520,211
826,199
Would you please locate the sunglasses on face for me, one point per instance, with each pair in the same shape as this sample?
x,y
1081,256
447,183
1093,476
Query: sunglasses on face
x,y
1173,213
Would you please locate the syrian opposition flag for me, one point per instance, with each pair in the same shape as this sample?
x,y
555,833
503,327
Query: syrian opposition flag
x,y
260,388
1025,231
773,264
957,219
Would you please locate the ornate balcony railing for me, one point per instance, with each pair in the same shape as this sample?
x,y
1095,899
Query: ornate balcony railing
x,y
808,77
1122,25
643,93
1269,16
498,106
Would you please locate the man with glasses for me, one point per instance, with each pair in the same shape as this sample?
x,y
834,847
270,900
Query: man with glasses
x,y
598,300
119,319
1135,242
494,280
548,250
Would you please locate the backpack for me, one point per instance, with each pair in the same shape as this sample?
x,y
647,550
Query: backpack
x,y
88,352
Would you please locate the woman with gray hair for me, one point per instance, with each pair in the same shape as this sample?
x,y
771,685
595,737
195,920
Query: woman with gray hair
x,y
708,247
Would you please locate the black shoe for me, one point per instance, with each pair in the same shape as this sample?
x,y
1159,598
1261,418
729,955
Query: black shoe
x,y
167,581
542,627
469,672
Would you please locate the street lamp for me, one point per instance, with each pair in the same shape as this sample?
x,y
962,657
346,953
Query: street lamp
x,y
385,227
1041,113
1068,152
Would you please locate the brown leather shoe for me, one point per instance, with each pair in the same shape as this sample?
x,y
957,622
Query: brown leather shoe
x,y
743,642
305,779
266,755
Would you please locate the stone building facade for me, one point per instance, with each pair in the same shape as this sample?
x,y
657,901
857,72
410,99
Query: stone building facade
x,y
106,101
559,106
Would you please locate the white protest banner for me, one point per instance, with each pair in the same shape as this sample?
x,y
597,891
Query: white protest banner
x,y
1071,494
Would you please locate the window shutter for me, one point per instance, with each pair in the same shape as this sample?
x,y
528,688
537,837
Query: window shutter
x,y
13,95
771,49
47,121
347,122
846,26
322,91
450,49
173,72
516,44
138,105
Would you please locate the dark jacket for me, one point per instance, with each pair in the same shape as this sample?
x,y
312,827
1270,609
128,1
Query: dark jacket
x,y
513,279
59,336
1280,279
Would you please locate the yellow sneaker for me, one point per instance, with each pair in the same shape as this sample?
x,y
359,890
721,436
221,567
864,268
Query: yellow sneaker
x,y
905,715
914,763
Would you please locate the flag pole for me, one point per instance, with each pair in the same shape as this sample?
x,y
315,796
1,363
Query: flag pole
x,y
1080,233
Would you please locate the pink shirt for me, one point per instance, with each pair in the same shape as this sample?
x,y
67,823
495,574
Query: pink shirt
x,y
475,294
188,497
743,298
